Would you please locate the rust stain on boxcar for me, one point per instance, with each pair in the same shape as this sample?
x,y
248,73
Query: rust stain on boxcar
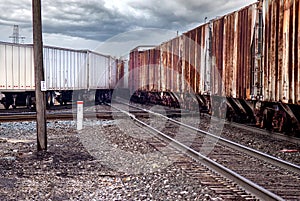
x,y
281,61
297,57
229,57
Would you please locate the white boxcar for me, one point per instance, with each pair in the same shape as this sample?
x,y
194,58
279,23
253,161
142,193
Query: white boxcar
x,y
65,69
16,67
102,71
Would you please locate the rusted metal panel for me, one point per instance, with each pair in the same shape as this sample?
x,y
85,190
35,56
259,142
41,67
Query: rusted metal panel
x,y
227,55
266,41
204,68
175,63
169,66
147,82
288,49
186,67
130,70
217,59
151,69
281,51
198,58
164,57
196,70
135,57
248,56
293,64
234,75
297,54
143,71
278,43
157,69
256,77
192,53
120,73
245,17
231,53
181,64
222,56
295,51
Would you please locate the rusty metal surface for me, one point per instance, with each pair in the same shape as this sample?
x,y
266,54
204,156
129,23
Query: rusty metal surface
x,y
249,53
231,53
120,73
281,64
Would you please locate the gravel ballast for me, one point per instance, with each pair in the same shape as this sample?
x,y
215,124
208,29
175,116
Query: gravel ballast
x,y
71,171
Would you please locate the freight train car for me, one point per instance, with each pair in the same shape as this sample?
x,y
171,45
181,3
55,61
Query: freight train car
x,y
250,56
65,70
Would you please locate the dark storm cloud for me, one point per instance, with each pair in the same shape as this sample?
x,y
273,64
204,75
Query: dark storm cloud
x,y
102,19
179,14
15,12
81,19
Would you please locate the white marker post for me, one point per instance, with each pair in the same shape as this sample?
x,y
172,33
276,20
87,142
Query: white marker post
x,y
79,114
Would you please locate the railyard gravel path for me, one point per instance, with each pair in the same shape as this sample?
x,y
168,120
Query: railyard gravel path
x,y
283,149
70,170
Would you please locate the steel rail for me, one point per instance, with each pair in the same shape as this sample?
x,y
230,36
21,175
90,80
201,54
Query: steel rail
x,y
22,117
276,135
270,159
66,115
248,185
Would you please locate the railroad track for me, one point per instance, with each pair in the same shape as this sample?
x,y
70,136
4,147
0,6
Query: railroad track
x,y
99,112
51,116
276,135
271,134
266,177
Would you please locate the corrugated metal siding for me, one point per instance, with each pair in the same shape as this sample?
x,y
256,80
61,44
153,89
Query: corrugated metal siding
x,y
170,66
16,67
152,67
158,69
281,64
297,54
186,65
163,67
142,70
176,65
120,73
192,62
203,64
134,59
113,68
65,69
223,57
217,61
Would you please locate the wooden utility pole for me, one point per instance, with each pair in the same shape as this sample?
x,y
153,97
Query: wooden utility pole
x,y
39,76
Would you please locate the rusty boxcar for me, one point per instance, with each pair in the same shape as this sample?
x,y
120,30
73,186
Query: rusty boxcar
x,y
250,56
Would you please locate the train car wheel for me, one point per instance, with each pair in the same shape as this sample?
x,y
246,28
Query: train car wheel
x,y
28,102
5,104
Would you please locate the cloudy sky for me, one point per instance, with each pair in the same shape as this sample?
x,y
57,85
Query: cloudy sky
x,y
94,24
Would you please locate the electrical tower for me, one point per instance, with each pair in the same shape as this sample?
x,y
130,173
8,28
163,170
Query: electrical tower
x,y
16,35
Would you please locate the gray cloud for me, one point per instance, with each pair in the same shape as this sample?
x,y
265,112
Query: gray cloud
x,y
102,19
